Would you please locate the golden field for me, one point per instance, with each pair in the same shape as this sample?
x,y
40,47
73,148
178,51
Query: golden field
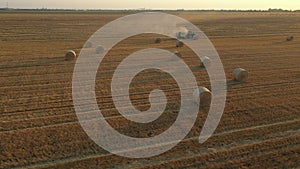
x,y
260,127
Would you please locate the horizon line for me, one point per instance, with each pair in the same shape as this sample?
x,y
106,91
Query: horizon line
x,y
148,9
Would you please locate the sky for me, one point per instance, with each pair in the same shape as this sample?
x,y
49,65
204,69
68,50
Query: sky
x,y
153,4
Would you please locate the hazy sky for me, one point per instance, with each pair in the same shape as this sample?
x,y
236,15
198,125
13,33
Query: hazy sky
x,y
153,4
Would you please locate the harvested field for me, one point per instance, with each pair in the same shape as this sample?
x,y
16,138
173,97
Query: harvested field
x,y
260,127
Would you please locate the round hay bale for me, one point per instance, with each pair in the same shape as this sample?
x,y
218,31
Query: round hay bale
x,y
70,55
158,40
176,53
290,38
99,49
179,44
202,96
240,75
205,61
88,44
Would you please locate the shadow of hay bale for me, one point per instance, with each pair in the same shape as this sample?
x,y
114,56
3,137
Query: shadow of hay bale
x,y
51,60
278,43
233,83
197,68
